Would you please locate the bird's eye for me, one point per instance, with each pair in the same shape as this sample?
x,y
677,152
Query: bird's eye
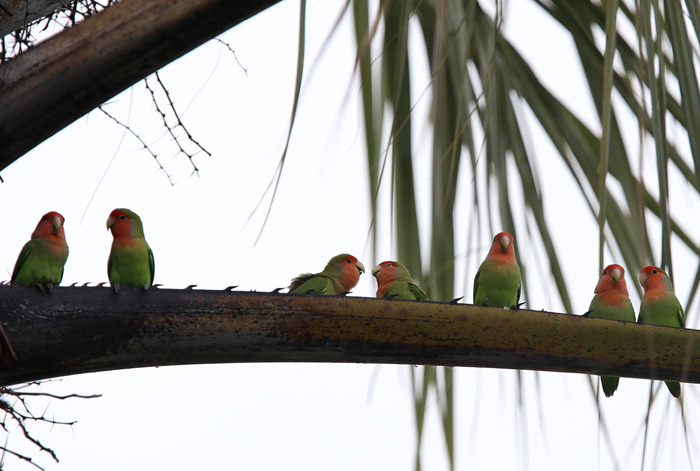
x,y
654,272
389,264
122,217
348,260
605,272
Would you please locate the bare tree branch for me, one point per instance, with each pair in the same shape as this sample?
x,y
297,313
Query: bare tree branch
x,y
171,128
234,55
21,415
145,146
53,84
79,330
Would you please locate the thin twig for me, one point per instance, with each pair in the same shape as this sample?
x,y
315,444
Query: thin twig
x,y
234,54
145,146
20,414
179,123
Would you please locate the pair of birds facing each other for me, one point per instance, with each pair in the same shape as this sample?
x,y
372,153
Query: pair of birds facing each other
x,y
497,283
43,258
659,306
343,271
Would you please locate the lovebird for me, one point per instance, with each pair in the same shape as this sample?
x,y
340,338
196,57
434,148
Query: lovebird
x,y
340,276
131,260
497,283
611,301
42,259
660,307
395,282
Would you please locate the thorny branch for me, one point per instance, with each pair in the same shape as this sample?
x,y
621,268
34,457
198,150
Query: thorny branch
x,y
145,146
234,54
20,414
170,128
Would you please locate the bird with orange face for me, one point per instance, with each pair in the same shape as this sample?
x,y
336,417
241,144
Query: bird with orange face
x,y
42,259
131,261
497,283
660,307
340,275
611,301
395,282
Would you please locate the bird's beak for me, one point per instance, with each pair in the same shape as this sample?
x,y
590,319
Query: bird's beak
x,y
56,223
376,270
616,274
505,242
110,222
643,279
360,267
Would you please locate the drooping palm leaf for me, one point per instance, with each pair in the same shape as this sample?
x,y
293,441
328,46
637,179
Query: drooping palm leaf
x,y
480,86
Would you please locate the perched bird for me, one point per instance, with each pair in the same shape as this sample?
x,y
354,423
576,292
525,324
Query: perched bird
x,y
340,276
660,307
42,259
611,301
395,282
497,283
131,260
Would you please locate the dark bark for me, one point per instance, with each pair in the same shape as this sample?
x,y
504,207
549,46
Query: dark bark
x,y
16,14
80,330
48,87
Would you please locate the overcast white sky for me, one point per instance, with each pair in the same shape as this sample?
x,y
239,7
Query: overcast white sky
x,y
298,416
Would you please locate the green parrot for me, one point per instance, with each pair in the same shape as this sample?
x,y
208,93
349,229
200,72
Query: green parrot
x,y
42,259
131,260
340,276
497,283
395,282
660,307
612,301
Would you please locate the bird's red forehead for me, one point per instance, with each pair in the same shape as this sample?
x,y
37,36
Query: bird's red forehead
x,y
610,268
53,214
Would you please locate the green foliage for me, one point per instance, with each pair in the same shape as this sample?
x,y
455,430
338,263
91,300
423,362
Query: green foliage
x,y
480,89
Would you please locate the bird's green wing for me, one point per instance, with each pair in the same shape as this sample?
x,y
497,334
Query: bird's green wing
x,y
23,256
310,284
417,292
151,264
681,315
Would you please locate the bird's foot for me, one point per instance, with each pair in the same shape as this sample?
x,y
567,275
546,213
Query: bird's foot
x,y
44,287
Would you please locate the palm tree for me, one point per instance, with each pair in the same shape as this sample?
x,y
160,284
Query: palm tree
x,y
483,101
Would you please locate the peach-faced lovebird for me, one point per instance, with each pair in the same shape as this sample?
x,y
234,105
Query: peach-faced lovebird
x,y
497,283
395,282
611,301
131,259
42,259
660,307
340,276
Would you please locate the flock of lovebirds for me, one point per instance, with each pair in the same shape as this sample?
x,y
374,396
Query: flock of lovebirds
x,y
497,282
